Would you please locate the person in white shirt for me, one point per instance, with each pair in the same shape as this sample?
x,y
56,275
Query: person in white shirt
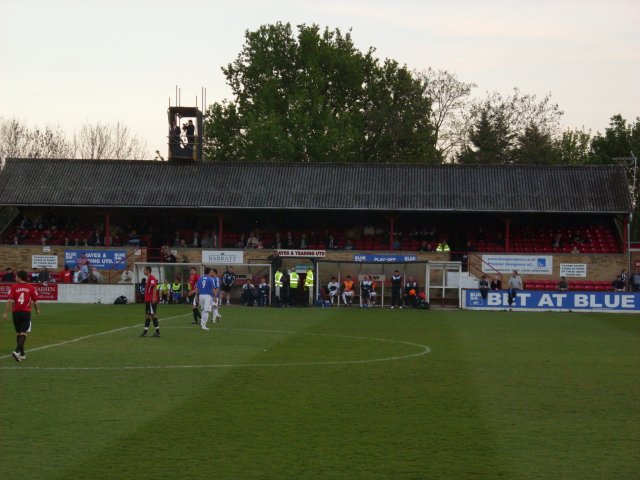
x,y
333,287
515,284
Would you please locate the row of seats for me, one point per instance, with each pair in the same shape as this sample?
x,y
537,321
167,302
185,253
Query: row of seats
x,y
575,285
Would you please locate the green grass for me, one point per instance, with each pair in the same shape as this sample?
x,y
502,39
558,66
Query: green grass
x,y
322,393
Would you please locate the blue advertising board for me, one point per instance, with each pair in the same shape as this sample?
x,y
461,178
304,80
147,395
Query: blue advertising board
x,y
373,258
101,259
559,301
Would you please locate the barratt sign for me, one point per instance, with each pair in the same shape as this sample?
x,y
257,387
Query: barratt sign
x,y
222,257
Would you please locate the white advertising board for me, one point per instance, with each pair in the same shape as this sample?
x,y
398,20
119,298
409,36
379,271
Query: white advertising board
x,y
529,264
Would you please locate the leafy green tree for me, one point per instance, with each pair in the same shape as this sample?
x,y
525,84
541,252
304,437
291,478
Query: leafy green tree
x,y
619,140
490,139
535,147
573,147
315,98
497,125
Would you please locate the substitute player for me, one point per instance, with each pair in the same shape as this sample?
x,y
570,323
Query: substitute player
x,y
21,296
150,303
216,295
193,282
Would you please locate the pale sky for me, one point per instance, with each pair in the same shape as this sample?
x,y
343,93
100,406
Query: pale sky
x,y
68,62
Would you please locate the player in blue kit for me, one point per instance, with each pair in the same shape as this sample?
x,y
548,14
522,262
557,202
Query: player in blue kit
x,y
204,287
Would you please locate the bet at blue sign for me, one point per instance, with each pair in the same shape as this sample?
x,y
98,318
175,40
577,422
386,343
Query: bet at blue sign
x,y
560,301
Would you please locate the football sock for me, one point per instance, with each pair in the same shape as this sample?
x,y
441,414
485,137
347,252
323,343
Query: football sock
x,y
156,325
20,344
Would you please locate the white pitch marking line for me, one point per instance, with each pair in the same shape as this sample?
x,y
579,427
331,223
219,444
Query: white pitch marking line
x,y
66,342
424,350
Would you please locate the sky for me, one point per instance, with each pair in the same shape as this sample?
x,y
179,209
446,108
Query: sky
x,y
68,62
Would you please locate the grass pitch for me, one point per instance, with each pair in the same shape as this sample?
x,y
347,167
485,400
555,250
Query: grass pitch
x,y
321,393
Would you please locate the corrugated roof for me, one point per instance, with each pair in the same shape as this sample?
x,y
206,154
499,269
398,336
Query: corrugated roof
x,y
120,183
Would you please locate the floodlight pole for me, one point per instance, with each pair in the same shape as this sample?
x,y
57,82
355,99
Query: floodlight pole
x,y
633,208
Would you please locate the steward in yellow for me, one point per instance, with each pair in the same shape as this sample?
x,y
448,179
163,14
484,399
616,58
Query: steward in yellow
x,y
308,280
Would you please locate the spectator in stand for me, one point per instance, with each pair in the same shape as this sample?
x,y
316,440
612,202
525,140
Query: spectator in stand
x,y
330,242
496,284
167,255
252,241
618,285
303,242
35,275
635,281
575,249
214,240
134,238
623,276
45,276
83,275
289,242
277,242
196,240
66,276
96,238
9,275
443,246
577,238
206,240
76,242
241,243
563,285
557,240
348,245
499,240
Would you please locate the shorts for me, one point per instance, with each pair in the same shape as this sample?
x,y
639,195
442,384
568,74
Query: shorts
x,y
151,308
22,322
225,288
348,294
192,300
205,302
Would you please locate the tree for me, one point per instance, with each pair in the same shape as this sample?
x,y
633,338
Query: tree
x,y
109,141
315,98
490,139
449,101
618,141
573,147
535,147
509,117
19,141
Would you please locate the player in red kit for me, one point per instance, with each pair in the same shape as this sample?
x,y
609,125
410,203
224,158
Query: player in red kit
x,y
22,296
193,282
150,303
